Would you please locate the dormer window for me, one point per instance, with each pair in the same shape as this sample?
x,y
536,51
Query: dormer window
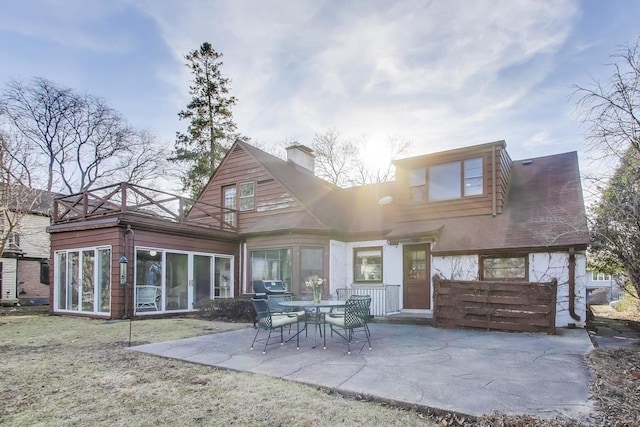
x,y
417,185
449,181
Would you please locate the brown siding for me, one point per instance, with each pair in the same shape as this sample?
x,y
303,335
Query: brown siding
x,y
466,206
504,177
113,236
271,197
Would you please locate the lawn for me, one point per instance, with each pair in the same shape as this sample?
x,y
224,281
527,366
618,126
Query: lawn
x,y
57,370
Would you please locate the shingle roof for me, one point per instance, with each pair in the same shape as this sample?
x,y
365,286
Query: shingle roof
x,y
33,201
544,208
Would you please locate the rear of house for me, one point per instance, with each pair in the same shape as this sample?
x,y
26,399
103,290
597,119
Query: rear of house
x,y
467,214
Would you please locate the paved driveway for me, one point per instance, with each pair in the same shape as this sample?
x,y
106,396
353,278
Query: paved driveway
x,y
466,371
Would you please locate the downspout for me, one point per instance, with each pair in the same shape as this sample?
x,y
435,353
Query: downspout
x,y
572,284
128,295
493,181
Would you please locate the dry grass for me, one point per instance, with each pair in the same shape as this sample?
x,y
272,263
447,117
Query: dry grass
x,y
77,371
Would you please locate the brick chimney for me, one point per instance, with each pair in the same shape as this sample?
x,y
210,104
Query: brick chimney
x,y
302,156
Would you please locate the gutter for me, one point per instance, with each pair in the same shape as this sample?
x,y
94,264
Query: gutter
x,y
572,284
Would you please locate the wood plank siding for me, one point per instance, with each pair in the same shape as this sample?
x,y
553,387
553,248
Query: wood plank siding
x,y
505,306
114,236
270,196
488,203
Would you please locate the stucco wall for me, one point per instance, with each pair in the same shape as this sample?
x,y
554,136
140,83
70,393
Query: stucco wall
x,y
341,255
464,267
543,267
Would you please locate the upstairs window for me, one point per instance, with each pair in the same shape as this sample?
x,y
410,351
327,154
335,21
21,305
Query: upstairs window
x,y
246,196
449,181
417,181
473,177
444,182
601,276
229,202
13,240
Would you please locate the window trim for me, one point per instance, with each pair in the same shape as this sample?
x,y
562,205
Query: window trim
x,y
355,263
230,218
595,277
503,256
463,178
240,197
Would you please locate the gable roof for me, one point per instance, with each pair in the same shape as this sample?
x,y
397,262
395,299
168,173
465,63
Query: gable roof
x,y
544,208
31,200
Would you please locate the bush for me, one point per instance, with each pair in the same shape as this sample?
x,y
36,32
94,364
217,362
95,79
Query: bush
x,y
234,309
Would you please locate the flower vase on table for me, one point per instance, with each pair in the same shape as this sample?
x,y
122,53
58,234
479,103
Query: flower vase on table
x,y
315,283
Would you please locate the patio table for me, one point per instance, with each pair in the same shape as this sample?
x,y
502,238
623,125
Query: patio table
x,y
309,305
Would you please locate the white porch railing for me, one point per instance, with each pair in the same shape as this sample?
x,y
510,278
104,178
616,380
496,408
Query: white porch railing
x,y
384,299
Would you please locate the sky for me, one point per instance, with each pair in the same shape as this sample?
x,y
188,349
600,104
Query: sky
x,y
442,74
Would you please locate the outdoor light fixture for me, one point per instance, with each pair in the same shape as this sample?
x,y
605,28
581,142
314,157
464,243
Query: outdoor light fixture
x,y
123,271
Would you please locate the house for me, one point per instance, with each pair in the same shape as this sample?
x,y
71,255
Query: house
x,y
465,214
24,265
603,288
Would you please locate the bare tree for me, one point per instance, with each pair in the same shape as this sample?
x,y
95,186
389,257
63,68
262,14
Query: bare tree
x,y
341,161
336,158
83,141
611,112
397,146
16,196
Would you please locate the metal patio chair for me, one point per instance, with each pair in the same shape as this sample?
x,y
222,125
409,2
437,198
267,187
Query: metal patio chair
x,y
355,317
270,322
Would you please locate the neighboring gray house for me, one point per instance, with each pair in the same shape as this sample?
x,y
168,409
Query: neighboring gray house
x,y
24,264
602,288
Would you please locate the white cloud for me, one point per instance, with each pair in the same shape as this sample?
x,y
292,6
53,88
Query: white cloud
x,y
441,73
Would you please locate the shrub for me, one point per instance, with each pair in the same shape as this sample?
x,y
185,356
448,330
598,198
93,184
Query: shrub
x,y
234,309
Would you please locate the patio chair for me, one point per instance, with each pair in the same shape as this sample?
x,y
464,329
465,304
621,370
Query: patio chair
x,y
276,308
355,317
271,322
147,297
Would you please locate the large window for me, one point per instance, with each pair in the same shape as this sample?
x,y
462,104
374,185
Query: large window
x,y
311,263
272,264
454,180
367,265
82,280
179,279
504,268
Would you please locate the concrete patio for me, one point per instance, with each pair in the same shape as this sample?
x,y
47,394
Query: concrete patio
x,y
465,371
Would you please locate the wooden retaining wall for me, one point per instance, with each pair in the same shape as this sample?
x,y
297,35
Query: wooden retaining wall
x,y
503,306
